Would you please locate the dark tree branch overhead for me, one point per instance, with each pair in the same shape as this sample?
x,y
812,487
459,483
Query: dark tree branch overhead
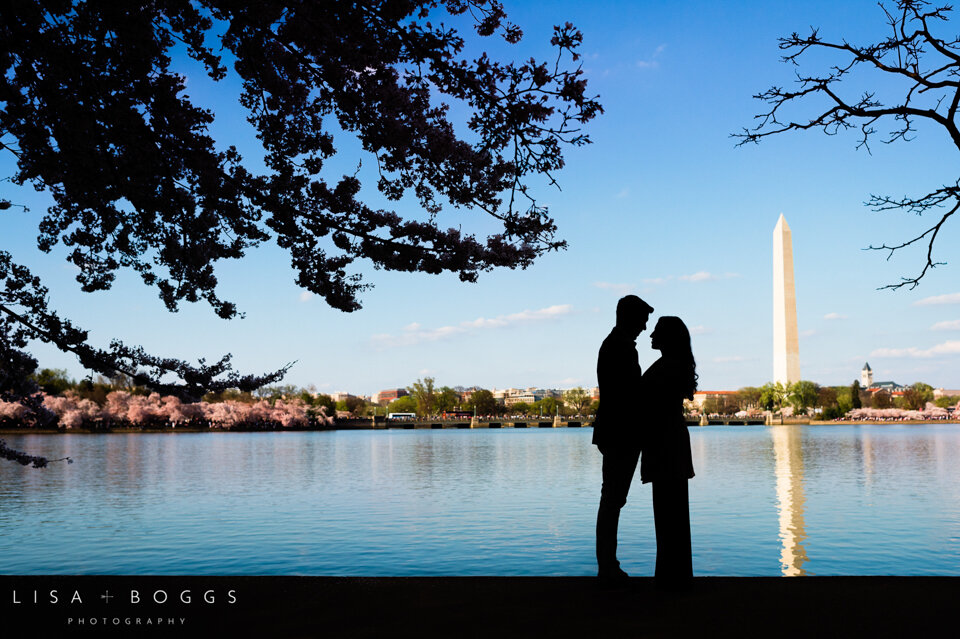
x,y
94,113
920,81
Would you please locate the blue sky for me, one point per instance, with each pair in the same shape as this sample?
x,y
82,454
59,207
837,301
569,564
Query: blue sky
x,y
662,204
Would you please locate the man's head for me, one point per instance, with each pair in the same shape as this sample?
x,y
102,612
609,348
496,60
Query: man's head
x,y
632,314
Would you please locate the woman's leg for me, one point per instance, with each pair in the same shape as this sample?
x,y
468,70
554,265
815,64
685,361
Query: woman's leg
x,y
671,513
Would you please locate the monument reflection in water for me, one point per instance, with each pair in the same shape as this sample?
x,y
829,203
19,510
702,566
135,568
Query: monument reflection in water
x,y
788,456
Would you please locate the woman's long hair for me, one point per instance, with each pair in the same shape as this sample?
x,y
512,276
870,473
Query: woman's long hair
x,y
675,341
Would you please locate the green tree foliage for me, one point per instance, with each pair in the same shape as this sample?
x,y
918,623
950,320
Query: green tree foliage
x,y
577,399
748,397
881,399
423,392
856,401
447,399
520,408
947,401
354,405
405,404
844,398
482,402
827,397
550,406
833,401
326,402
722,405
277,391
53,381
95,111
803,395
773,395
231,394
96,390
917,395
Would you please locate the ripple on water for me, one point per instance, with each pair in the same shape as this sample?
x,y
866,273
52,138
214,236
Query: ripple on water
x,y
818,500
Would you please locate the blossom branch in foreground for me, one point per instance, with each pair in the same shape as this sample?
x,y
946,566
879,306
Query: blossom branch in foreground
x,y
24,459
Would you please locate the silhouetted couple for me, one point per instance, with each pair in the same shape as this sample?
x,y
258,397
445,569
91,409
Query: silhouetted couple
x,y
642,413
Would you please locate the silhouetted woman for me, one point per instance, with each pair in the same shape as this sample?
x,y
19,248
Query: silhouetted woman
x,y
667,461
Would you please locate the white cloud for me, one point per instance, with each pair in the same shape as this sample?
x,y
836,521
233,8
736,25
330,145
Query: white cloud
x,y
414,333
949,298
834,316
700,330
705,276
652,62
700,276
807,333
544,313
482,322
951,347
951,325
622,289
623,193
305,296
730,358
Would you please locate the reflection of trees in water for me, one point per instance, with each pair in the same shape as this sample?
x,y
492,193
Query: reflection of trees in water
x,y
788,456
484,456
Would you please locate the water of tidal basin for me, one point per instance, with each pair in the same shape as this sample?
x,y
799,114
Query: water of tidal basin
x,y
789,500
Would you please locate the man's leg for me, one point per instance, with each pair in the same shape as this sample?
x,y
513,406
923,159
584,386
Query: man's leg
x,y
618,470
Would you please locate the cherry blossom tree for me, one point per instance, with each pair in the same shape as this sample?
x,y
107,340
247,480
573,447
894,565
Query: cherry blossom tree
x,y
94,112
123,408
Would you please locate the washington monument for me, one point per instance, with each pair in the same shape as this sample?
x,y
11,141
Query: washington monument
x,y
786,345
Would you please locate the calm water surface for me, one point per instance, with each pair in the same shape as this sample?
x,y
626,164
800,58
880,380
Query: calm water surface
x,y
790,500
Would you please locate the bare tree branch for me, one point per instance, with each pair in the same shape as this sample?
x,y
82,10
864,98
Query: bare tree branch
x,y
924,69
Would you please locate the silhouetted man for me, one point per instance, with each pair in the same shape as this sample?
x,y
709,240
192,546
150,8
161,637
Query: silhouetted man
x,y
616,432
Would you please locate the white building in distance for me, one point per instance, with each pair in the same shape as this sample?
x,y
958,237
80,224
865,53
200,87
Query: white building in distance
x,y
866,376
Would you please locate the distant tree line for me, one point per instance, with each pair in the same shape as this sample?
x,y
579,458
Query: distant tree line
x,y
426,399
826,402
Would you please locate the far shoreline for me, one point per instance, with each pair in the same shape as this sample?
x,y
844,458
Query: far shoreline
x,y
194,430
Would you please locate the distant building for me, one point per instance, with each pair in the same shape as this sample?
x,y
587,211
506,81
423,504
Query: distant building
x,y
527,396
866,376
387,396
945,392
702,396
890,387
341,397
511,396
